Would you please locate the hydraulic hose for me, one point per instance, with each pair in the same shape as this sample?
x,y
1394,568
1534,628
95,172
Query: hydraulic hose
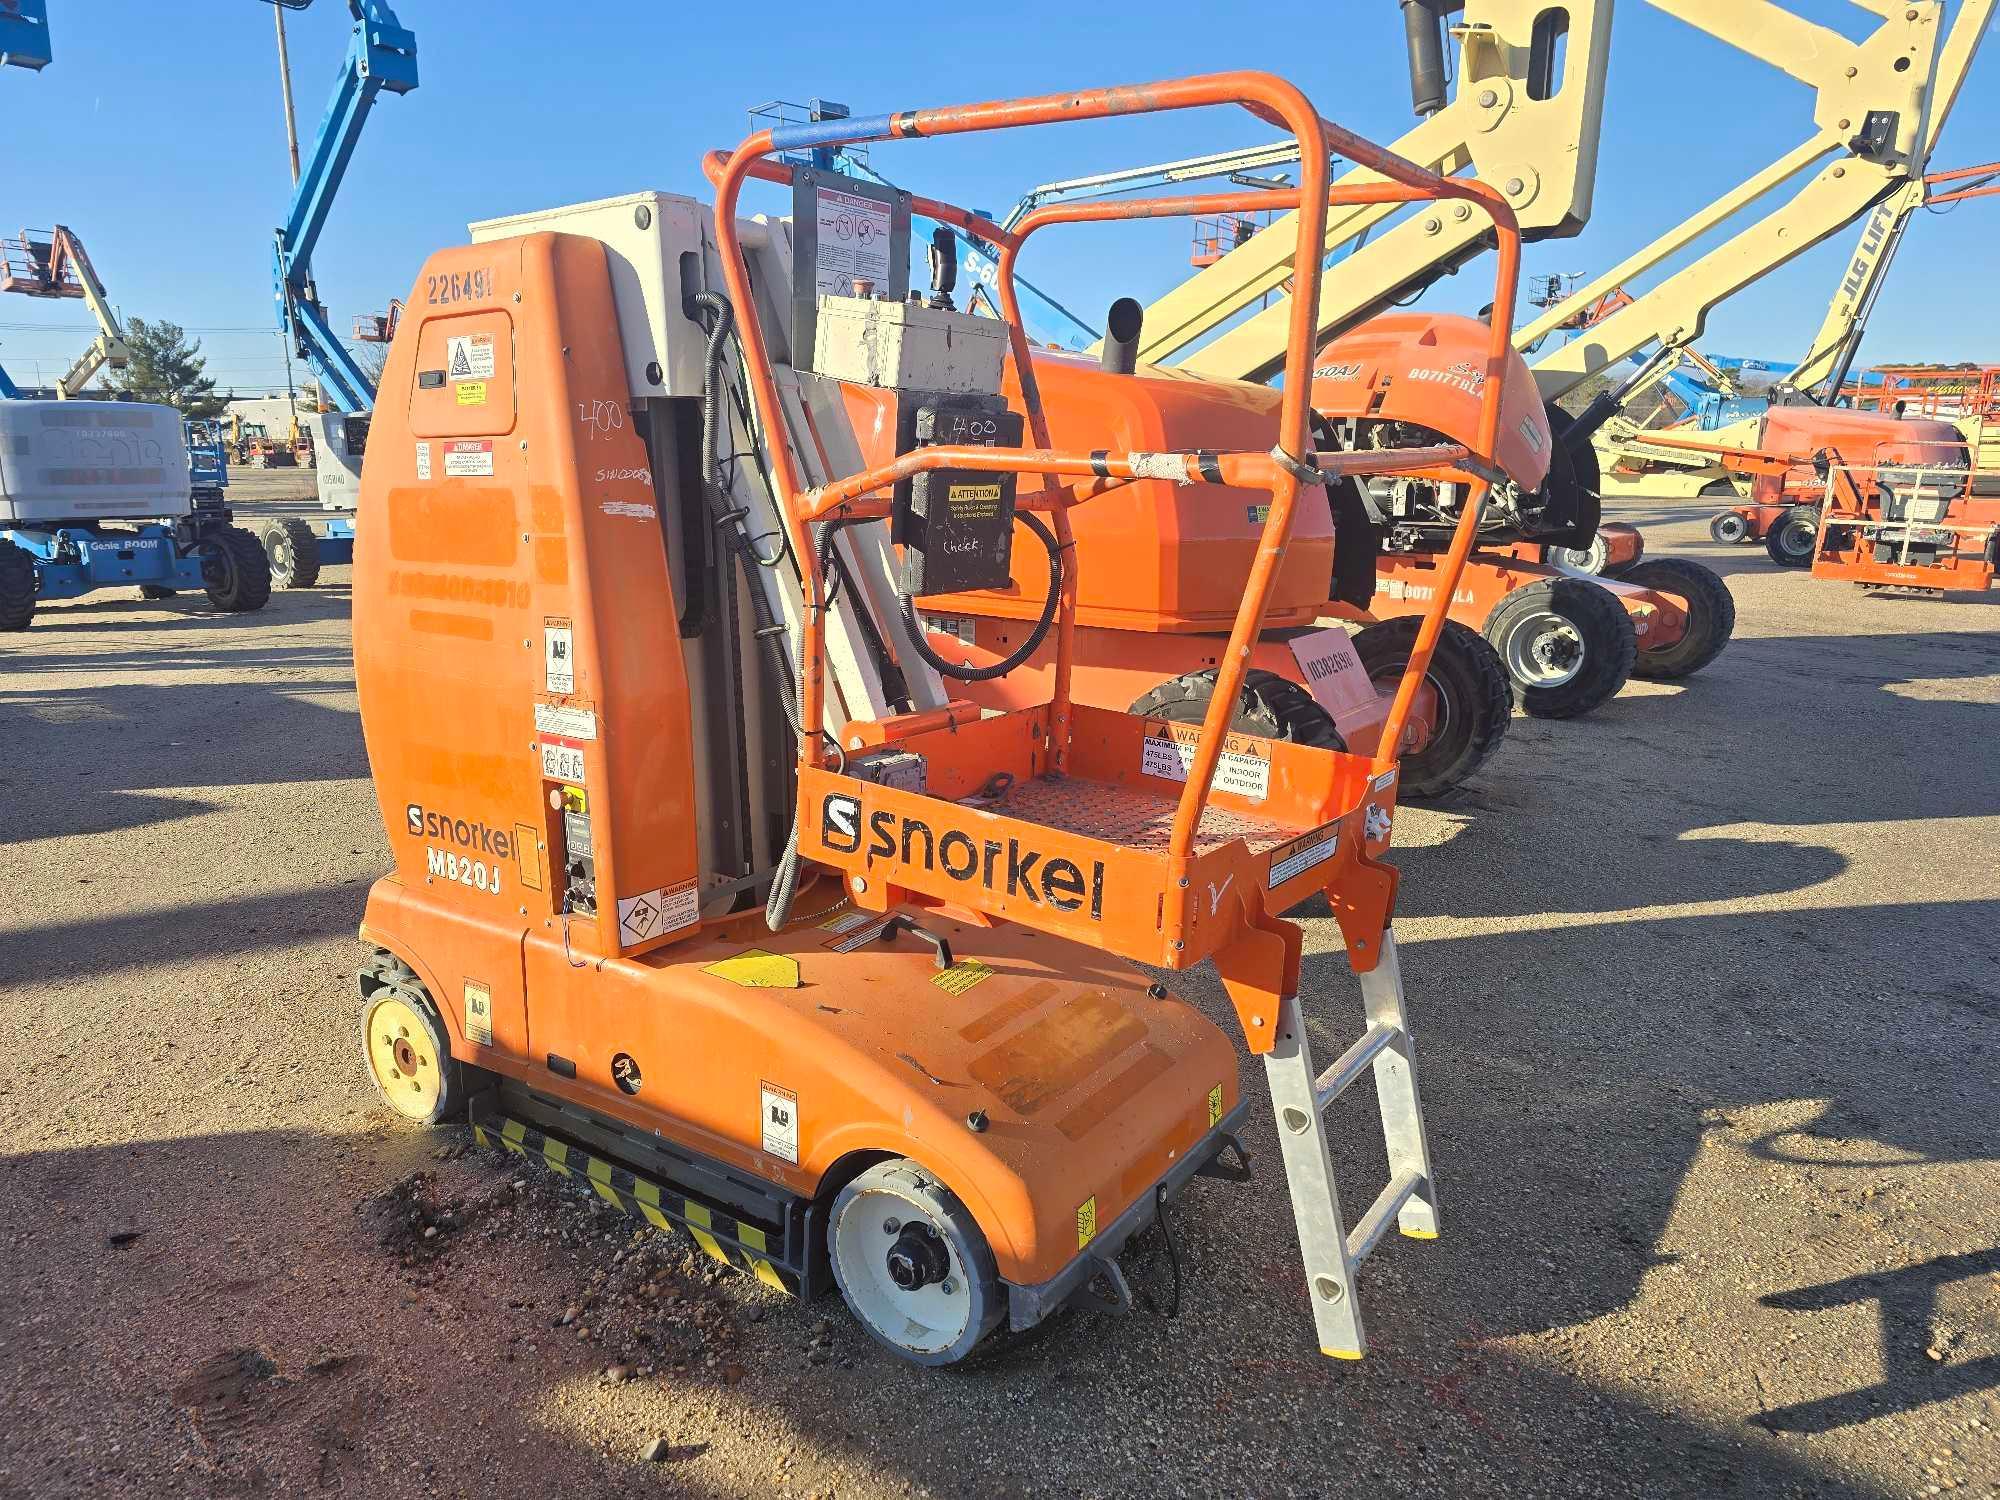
x,y
1027,648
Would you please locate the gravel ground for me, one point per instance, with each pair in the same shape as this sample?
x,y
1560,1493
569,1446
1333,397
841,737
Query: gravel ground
x,y
1709,1008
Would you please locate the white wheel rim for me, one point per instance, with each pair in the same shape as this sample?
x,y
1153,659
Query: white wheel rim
x,y
1543,650
1589,559
925,1321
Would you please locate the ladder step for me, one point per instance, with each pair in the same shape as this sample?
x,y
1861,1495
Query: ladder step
x,y
1335,1080
1403,1187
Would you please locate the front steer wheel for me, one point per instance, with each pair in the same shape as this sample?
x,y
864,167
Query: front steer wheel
x,y
234,571
1474,699
1566,642
1792,537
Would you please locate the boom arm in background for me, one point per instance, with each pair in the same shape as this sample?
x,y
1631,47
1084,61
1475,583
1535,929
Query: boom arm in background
x,y
24,43
381,54
1525,119
55,265
1878,105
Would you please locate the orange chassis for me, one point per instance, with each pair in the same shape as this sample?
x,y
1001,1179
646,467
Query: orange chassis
x,y
1140,860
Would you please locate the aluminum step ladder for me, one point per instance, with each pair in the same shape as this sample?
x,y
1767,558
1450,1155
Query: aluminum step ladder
x,y
1299,1100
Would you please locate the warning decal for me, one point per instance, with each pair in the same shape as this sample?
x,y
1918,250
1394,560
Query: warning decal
x,y
1289,861
1215,1105
656,913
478,1013
1244,767
1086,1221
961,976
472,393
469,458
469,357
856,934
780,1111
562,760
423,460
559,651
569,723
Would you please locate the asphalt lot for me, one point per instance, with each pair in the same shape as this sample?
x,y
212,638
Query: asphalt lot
x,y
1708,1002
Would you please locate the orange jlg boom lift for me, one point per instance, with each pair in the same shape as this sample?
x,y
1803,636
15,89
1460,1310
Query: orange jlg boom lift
x,y
614,547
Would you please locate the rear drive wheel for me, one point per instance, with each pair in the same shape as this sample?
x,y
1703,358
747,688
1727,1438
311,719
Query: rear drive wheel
x,y
1566,642
234,572
1793,536
912,1264
17,587
1729,526
292,550
1271,706
1711,611
1474,699
408,1055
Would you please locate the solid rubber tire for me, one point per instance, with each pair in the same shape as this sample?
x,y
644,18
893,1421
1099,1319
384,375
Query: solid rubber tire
x,y
17,587
1465,672
1794,518
246,584
291,548
1711,616
1610,643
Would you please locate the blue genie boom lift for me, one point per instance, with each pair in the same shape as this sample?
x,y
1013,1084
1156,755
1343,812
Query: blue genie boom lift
x,y
381,54
98,494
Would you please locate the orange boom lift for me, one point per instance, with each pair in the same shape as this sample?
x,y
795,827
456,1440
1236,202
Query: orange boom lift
x,y
930,1071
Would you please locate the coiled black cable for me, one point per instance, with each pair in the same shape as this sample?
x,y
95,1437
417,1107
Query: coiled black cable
x,y
1027,648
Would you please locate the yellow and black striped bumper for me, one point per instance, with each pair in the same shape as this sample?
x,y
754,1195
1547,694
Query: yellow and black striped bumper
x,y
728,1239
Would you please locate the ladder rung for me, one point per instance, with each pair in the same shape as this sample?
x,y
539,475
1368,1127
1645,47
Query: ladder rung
x,y
1380,1213
1335,1080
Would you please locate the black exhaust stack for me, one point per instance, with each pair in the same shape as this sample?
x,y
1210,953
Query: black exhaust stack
x,y
1121,336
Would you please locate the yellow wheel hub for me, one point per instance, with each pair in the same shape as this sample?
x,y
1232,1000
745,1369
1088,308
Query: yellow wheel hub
x,y
402,1059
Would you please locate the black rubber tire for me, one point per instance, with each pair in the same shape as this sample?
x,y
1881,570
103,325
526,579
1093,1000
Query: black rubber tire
x,y
1610,645
234,570
1271,706
17,587
1475,698
1711,616
292,549
154,591
1729,527
1793,536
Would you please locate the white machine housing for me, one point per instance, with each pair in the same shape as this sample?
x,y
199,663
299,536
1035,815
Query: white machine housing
x,y
64,461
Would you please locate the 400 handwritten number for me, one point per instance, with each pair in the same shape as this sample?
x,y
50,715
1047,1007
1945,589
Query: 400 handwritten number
x,y
459,286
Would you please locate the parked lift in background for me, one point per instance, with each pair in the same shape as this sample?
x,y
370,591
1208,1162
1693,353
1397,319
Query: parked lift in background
x,y
1879,106
99,494
52,263
1525,117
381,54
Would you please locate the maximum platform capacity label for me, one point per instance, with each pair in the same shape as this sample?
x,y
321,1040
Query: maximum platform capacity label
x,y
1244,767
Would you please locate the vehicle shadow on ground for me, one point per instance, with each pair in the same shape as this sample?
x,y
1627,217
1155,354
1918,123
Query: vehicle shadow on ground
x,y
218,930
118,607
150,737
302,1334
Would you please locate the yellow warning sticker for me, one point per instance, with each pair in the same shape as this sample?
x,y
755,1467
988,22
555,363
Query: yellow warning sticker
x,y
478,1013
1086,1221
471,393
1215,1105
755,969
961,976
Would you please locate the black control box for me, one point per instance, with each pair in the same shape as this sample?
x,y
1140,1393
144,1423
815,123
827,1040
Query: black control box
x,y
956,526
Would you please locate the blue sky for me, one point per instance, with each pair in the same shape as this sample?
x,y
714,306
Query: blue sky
x,y
156,135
